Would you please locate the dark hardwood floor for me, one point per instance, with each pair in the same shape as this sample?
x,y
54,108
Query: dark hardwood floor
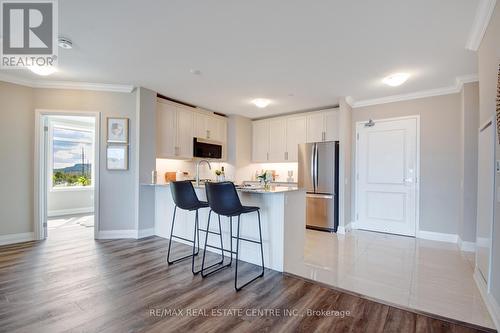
x,y
72,283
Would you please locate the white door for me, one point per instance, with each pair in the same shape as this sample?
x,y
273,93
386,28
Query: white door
x,y
260,141
386,176
485,198
277,140
295,135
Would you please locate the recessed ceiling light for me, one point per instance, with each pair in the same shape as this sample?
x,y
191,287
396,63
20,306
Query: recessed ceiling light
x,y
261,102
397,79
195,71
43,70
65,43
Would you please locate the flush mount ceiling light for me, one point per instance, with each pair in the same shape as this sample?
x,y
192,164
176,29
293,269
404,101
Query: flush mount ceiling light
x,y
397,79
65,43
195,71
261,102
43,70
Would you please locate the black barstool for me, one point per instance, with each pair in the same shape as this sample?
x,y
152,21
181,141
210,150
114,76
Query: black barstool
x,y
223,200
185,198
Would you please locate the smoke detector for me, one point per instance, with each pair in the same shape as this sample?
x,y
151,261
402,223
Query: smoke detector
x,y
64,43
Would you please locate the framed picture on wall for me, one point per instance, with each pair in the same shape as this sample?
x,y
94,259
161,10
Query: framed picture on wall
x,y
117,157
117,130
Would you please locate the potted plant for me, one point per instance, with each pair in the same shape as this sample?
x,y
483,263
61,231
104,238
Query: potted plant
x,y
265,179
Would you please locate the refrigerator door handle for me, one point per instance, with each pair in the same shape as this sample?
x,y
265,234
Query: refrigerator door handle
x,y
316,169
313,176
319,196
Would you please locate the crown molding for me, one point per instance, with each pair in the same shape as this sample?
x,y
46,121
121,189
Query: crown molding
x,y
47,84
455,89
481,20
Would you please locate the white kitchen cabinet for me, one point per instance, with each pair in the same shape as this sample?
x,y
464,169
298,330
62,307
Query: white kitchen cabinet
x,y
165,130
332,125
210,127
174,131
315,127
277,139
184,133
296,133
260,141
323,126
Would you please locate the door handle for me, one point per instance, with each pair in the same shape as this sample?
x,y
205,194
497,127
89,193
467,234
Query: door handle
x,y
408,180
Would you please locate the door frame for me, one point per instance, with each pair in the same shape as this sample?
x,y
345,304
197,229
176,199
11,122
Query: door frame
x,y
40,169
417,182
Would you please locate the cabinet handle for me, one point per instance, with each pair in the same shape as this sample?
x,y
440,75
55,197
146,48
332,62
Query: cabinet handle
x,y
176,151
267,156
208,134
286,156
323,136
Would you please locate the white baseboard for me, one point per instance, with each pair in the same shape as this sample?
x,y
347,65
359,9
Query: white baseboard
x,y
466,246
438,236
491,304
143,233
73,211
16,238
117,234
342,230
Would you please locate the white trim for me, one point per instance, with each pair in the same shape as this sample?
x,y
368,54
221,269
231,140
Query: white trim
x,y
16,238
437,236
491,303
117,234
122,88
466,246
143,233
353,224
482,19
72,211
455,89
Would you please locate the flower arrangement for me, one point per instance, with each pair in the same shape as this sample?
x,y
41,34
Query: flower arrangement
x,y
265,178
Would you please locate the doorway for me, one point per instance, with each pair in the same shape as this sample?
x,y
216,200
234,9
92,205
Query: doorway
x,y
387,175
66,174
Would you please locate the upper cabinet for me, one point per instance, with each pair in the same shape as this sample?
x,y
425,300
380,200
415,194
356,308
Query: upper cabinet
x,y
174,128
177,125
277,139
210,127
323,126
260,141
297,127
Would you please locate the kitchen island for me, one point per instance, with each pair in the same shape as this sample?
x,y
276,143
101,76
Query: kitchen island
x,y
283,216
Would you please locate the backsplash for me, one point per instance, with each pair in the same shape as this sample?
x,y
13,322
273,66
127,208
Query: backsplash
x,y
246,173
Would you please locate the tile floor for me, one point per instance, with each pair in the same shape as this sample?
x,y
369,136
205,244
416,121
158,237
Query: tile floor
x,y
430,276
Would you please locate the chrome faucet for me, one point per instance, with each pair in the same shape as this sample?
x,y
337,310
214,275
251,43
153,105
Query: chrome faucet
x,y
198,170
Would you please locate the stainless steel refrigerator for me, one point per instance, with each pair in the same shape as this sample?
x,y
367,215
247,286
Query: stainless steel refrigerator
x,y
319,175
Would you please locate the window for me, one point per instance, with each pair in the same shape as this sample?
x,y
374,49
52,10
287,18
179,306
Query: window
x,y
72,157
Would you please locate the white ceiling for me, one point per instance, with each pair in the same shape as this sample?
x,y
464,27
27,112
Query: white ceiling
x,y
300,54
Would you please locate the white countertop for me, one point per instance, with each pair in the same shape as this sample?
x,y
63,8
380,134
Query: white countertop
x,y
259,190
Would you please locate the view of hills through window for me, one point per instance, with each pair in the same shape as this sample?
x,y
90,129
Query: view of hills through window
x,y
72,151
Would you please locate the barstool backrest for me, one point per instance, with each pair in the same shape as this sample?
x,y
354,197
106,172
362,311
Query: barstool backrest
x,y
184,195
223,198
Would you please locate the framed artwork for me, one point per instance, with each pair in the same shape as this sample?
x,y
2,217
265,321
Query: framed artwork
x,y
117,130
117,157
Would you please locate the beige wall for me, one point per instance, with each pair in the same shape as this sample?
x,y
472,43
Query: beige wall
x,y
489,60
17,107
117,188
439,155
16,153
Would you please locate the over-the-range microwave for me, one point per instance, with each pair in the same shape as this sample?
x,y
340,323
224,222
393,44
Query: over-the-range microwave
x,y
207,149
